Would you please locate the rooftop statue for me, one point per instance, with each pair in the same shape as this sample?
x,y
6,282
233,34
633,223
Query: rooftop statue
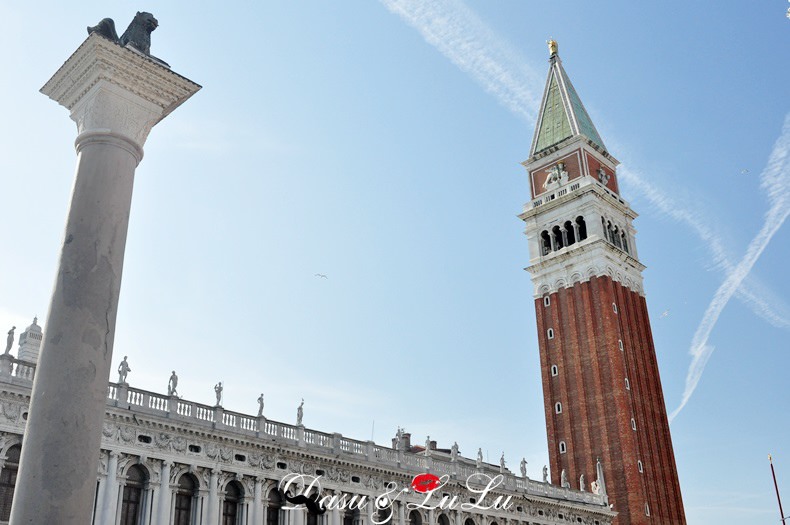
x,y
138,34
10,340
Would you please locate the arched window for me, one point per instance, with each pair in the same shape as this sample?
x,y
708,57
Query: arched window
x,y
415,518
350,517
550,333
625,242
185,497
609,236
230,507
546,300
582,227
8,481
273,509
558,407
558,243
385,516
554,370
545,242
639,466
627,384
569,232
563,447
132,502
616,237
443,520
633,424
469,521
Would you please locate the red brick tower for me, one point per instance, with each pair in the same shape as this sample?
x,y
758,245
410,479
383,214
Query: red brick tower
x,y
601,386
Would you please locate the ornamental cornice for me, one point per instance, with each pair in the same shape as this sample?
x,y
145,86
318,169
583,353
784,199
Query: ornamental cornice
x,y
591,258
116,90
100,59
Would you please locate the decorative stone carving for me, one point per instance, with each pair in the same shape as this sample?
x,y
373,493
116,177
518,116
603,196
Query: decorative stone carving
x,y
10,340
126,434
108,430
154,472
123,370
172,384
10,411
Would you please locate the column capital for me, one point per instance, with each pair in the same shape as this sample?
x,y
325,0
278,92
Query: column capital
x,y
117,91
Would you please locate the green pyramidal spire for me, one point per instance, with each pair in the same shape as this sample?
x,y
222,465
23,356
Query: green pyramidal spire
x,y
562,114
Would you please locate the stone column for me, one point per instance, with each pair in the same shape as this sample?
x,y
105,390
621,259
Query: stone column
x,y
257,504
165,495
109,505
212,508
115,96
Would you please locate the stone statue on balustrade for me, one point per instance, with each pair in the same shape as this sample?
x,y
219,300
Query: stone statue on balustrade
x,y
300,413
10,340
581,483
172,385
545,474
524,468
564,480
502,464
428,446
454,451
218,393
260,405
479,457
123,370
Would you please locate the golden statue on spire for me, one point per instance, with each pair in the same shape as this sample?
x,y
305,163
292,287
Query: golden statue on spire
x,y
552,46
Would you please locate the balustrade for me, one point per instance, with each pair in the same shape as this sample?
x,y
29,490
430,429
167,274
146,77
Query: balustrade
x,y
146,401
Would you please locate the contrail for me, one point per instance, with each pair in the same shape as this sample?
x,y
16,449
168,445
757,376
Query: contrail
x,y
457,32
756,296
775,179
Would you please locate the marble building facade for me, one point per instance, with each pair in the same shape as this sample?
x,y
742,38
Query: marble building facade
x,y
169,460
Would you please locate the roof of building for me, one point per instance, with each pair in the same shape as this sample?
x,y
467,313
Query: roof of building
x,y
562,114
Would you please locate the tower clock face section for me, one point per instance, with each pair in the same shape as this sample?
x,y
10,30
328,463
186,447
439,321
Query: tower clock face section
x,y
605,414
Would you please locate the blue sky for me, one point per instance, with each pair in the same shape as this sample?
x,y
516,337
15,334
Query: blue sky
x,y
379,143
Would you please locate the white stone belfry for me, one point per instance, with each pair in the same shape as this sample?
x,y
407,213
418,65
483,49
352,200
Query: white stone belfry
x,y
30,342
115,95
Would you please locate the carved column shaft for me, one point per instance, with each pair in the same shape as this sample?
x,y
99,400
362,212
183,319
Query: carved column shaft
x,y
109,505
165,495
115,96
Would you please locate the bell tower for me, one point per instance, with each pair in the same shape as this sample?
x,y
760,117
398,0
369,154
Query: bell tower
x,y
601,387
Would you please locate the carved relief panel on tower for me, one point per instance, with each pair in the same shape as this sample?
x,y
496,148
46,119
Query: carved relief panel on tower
x,y
556,173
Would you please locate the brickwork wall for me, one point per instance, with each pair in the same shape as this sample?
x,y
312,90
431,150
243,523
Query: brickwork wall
x,y
597,407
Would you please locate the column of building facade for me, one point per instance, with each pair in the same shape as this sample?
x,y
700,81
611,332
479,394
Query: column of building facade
x,y
401,513
257,504
201,506
165,494
109,503
212,507
335,512
152,504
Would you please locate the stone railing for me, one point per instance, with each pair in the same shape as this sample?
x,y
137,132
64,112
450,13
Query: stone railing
x,y
121,395
15,370
573,185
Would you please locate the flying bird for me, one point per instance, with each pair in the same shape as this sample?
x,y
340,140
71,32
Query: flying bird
x,y
744,171
665,313
321,275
